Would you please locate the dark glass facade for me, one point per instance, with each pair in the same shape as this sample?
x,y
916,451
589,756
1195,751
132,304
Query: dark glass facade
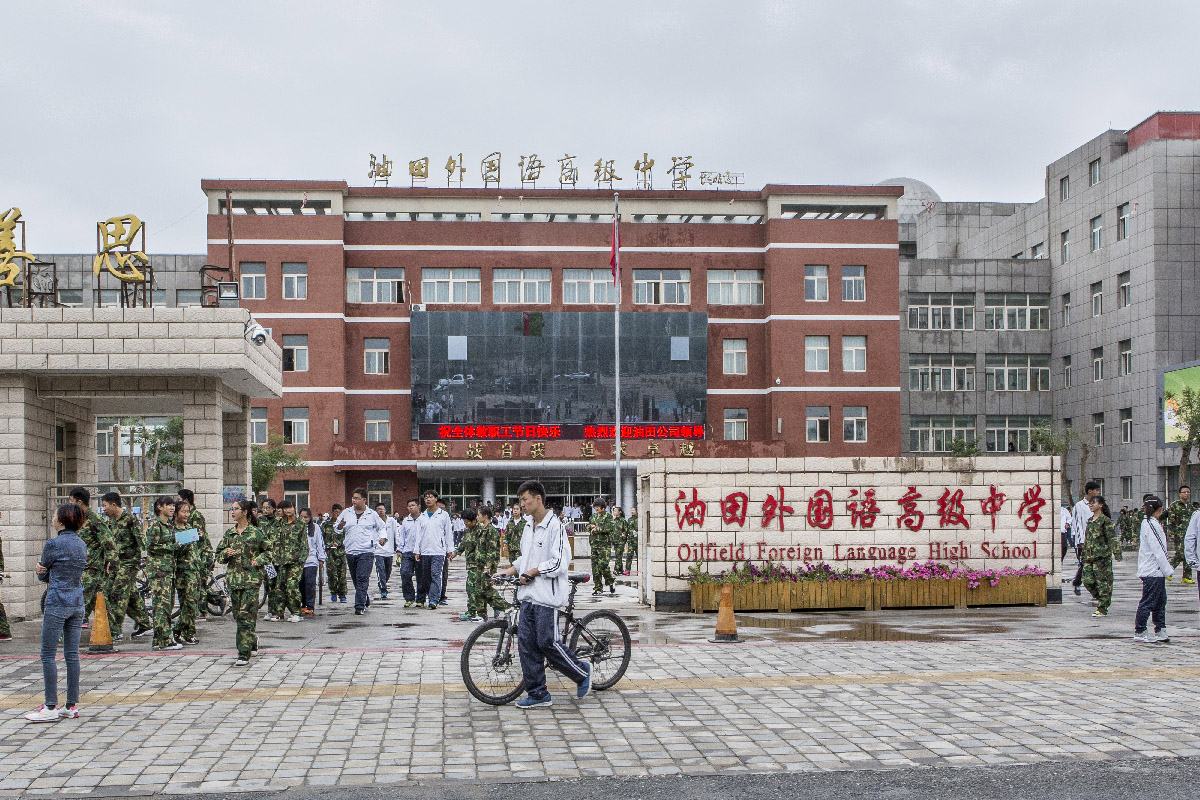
x,y
556,367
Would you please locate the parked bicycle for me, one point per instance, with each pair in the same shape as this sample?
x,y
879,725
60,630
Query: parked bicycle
x,y
491,667
217,602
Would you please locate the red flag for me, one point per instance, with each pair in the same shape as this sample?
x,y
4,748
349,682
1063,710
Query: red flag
x,y
616,245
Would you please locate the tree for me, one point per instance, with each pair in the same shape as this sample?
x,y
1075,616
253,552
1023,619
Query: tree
x,y
1187,418
961,448
267,461
162,447
1044,439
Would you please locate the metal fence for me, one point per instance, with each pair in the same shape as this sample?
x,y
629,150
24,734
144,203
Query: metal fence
x,y
136,496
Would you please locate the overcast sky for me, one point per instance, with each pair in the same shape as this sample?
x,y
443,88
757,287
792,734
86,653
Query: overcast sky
x,y
123,107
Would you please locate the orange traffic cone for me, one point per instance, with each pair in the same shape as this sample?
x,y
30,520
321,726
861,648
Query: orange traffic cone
x,y
726,624
101,637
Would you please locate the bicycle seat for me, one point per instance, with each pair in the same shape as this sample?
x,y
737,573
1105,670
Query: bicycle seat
x,y
578,577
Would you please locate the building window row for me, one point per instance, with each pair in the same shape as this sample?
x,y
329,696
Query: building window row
x,y
941,372
1017,372
937,434
816,353
941,311
1096,232
816,424
1124,363
1016,312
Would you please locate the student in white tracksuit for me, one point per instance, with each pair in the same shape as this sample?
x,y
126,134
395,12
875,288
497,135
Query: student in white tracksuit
x,y
1191,545
433,531
1153,568
542,565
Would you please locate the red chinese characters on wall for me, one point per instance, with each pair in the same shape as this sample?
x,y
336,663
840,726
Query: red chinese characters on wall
x,y
993,503
691,513
1031,504
862,512
733,508
911,518
775,509
950,509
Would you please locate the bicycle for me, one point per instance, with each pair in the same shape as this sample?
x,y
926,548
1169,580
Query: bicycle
x,y
491,668
217,591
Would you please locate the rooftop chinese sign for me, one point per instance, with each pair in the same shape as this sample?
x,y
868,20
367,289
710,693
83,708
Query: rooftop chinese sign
x,y
988,512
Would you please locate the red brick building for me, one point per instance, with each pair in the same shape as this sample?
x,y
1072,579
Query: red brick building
x,y
795,289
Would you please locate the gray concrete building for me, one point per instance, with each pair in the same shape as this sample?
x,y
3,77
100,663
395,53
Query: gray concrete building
x,y
1111,254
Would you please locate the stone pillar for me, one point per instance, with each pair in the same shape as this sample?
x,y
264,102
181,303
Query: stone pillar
x,y
235,430
203,450
627,497
489,489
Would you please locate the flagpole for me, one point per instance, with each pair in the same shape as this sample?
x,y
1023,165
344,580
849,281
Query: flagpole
x,y
617,348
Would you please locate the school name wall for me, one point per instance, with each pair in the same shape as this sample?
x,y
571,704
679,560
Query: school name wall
x,y
985,512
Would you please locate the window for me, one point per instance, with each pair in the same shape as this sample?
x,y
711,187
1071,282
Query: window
x,y
379,492
1064,246
258,426
733,356
1098,428
295,280
728,287
458,285
1126,428
941,372
942,312
187,297
295,352
1097,364
1094,172
105,439
681,347
1097,298
816,423
657,287
1064,188
854,283
456,348
1066,372
854,423
376,359
816,283
71,297
735,424
1123,290
1127,487
297,492
816,354
1122,221
937,434
1038,250
1016,312
589,286
378,427
854,354
383,285
1097,235
1011,434
1017,372
254,280
295,426
1066,309
511,286
1124,357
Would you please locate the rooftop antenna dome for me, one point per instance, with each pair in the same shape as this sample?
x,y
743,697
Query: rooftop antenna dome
x,y
917,197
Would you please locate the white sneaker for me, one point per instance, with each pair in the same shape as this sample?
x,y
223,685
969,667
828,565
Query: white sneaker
x,y
43,714
70,713
271,618
294,618
1161,636
1145,637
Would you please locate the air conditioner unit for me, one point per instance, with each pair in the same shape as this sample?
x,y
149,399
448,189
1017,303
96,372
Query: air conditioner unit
x,y
418,307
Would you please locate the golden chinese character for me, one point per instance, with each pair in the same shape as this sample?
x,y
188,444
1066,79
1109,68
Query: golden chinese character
x,y
645,178
537,450
587,449
381,170
454,165
531,169
419,168
652,449
506,450
687,448
119,232
679,171
440,450
568,173
490,167
605,172
624,451
475,450
9,269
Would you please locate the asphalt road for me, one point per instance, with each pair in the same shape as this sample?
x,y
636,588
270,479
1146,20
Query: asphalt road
x,y
1161,779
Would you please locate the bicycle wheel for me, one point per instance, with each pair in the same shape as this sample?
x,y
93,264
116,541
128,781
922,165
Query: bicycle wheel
x,y
490,666
218,590
262,594
602,639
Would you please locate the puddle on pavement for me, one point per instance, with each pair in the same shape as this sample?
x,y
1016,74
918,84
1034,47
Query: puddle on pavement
x,y
403,624
863,630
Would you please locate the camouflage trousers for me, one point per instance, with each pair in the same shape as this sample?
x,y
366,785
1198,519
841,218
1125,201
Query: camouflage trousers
x,y
94,580
186,580
630,549
1177,556
123,598
205,597
287,589
245,616
4,629
335,568
1098,580
618,548
169,575
601,569
481,594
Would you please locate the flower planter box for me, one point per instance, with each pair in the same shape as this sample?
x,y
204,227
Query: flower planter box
x,y
1027,590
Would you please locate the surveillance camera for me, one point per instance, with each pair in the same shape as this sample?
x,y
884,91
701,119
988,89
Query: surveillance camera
x,y
257,334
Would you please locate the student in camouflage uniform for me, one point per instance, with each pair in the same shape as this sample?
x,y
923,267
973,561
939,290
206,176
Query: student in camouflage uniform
x,y
101,553
1178,516
601,529
631,526
130,542
244,551
513,532
291,550
187,576
480,547
268,523
1100,546
202,554
618,539
335,556
5,631
161,551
